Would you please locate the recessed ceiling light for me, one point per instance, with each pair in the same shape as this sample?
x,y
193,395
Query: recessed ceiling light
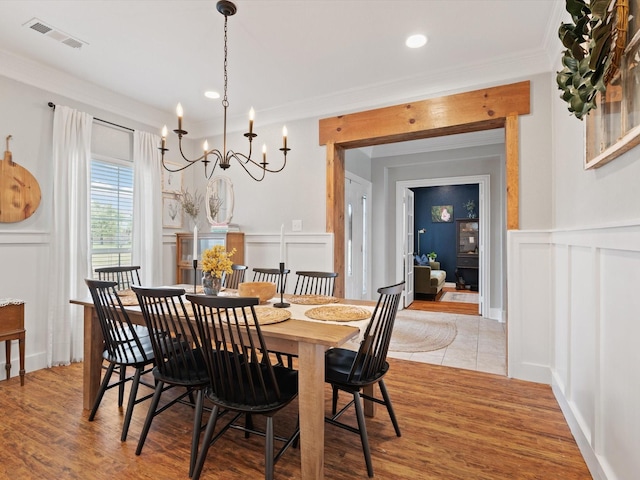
x,y
416,41
211,94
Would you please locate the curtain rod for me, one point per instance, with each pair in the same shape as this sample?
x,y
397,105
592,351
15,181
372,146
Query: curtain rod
x,y
53,105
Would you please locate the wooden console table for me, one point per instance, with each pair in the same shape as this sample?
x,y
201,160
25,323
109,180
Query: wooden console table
x,y
12,328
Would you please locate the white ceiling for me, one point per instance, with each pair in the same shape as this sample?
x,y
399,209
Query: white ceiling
x,y
287,58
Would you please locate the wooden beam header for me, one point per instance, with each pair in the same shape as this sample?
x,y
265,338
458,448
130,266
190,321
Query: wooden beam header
x,y
487,108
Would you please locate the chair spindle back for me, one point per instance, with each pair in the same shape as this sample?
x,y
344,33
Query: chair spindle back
x,y
124,276
315,283
272,275
121,339
174,338
372,354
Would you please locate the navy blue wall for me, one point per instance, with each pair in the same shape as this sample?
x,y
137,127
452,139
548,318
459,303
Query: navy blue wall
x,y
441,237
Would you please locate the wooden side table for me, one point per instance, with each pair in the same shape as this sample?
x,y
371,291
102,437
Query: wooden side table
x,y
12,328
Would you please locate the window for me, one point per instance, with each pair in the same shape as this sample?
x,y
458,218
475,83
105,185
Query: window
x,y
111,212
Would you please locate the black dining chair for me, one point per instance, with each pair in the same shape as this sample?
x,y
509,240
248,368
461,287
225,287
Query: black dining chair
x,y
315,283
243,381
231,280
351,371
125,276
272,275
179,361
125,345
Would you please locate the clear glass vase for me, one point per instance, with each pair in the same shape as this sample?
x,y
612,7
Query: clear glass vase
x,y
210,284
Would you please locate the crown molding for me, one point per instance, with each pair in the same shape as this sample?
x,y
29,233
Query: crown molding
x,y
445,82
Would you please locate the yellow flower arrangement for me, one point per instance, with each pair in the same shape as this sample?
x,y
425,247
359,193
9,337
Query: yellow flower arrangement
x,y
217,260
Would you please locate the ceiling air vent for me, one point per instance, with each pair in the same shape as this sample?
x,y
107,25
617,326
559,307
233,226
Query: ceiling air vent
x,y
54,33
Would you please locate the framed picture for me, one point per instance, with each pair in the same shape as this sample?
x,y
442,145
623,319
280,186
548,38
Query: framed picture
x,y
614,127
171,181
442,213
171,212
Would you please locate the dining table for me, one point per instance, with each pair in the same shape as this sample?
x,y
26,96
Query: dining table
x,y
298,335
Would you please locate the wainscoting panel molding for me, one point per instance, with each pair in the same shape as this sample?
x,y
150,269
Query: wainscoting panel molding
x,y
302,251
576,292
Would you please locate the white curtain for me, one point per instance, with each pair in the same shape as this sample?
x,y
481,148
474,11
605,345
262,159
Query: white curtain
x,y
69,245
147,208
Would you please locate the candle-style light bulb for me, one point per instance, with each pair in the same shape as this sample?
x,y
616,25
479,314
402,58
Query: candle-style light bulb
x,y
205,146
164,137
284,136
264,153
252,114
180,113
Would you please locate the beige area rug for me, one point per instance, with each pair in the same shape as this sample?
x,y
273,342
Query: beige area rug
x,y
459,297
421,332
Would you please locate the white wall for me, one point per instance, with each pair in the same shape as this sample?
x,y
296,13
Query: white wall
x,y
296,193
596,260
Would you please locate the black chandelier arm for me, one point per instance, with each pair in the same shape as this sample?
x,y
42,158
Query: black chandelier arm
x,y
244,160
164,165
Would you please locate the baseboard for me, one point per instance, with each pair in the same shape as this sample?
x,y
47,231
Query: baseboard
x,y
589,455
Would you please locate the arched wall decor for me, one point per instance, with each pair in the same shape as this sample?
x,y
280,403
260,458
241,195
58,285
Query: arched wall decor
x,y
486,109
219,200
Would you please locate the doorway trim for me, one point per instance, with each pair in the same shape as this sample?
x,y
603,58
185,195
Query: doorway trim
x,y
485,109
484,215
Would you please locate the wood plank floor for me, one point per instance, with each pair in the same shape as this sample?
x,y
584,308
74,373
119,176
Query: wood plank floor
x,y
430,305
456,424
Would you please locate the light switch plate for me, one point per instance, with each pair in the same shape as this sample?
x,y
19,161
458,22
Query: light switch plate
x,y
296,225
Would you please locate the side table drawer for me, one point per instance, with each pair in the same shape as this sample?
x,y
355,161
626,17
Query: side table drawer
x,y
11,318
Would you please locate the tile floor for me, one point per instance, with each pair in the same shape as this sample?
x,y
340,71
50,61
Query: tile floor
x,y
480,345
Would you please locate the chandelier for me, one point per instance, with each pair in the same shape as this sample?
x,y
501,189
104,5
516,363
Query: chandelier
x,y
222,158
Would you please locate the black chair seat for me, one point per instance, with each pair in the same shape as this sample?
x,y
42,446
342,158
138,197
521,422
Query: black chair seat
x,y
247,398
185,375
338,363
134,356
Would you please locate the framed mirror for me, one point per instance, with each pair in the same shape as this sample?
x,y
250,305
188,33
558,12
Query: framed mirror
x,y
219,200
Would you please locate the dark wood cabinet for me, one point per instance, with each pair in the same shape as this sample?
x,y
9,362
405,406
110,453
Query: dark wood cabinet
x,y
467,230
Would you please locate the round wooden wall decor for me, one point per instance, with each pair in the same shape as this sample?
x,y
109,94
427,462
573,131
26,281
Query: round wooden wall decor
x,y
19,190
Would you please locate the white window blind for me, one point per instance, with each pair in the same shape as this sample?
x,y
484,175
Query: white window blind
x,y
111,212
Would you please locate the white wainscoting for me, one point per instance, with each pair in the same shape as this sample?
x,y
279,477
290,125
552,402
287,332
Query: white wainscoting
x,y
573,322
24,261
302,251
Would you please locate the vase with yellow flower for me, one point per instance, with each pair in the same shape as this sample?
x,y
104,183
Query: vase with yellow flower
x,y
216,261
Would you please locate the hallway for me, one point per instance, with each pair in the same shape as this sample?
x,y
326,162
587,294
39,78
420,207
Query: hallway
x,y
480,344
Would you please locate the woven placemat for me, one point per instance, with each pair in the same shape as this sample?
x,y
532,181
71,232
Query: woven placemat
x,y
338,313
128,297
269,315
311,299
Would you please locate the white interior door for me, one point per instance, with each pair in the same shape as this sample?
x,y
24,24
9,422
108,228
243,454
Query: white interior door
x,y
357,218
408,229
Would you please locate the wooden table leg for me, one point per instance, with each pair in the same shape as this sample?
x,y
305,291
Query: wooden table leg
x,y
92,364
311,407
21,342
7,365
369,406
